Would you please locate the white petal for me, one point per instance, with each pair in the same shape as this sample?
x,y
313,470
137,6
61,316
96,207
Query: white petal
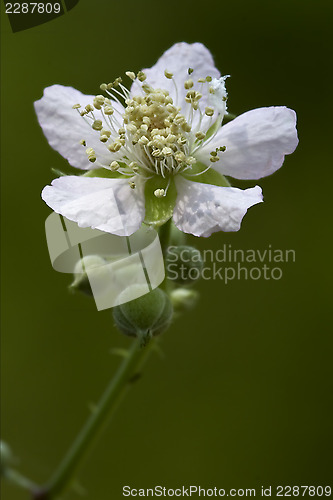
x,y
110,205
203,209
64,127
256,143
178,59
218,99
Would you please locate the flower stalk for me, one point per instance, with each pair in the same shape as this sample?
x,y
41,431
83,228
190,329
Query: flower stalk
x,y
115,391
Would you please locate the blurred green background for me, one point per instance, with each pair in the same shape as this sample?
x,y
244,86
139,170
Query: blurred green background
x,y
243,395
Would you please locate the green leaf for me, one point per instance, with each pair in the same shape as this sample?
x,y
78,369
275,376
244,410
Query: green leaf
x,y
159,210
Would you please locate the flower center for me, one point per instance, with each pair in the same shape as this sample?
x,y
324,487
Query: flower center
x,y
150,135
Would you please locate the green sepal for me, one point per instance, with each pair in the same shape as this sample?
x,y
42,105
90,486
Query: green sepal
x,y
103,172
159,210
59,173
212,129
209,177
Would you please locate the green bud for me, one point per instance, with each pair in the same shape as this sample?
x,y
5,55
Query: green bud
x,y
6,456
183,264
146,316
81,281
184,299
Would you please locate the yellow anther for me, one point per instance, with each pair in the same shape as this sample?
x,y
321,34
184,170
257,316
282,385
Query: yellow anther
x,y
202,80
159,193
105,132
170,108
83,142
147,88
89,108
99,98
190,160
143,140
214,159
188,84
121,131
180,156
131,185
76,106
191,94
171,138
117,81
114,147
208,78
146,120
130,75
97,125
200,135
182,141
104,138
108,110
91,155
209,111
186,127
211,90
156,153
141,76
168,74
114,166
131,128
144,127
133,166
167,151
103,86
190,71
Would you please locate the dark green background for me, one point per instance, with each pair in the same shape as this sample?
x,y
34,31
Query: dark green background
x,y
243,396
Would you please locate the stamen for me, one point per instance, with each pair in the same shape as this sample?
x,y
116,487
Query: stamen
x,y
148,132
168,74
130,75
114,166
91,155
159,193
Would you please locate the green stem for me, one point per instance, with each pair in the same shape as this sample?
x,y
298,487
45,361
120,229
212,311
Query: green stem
x,y
116,389
18,479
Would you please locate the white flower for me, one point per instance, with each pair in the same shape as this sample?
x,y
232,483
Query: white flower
x,y
159,150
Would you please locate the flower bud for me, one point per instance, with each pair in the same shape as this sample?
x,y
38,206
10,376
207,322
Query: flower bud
x,y
183,264
6,456
146,316
81,281
184,299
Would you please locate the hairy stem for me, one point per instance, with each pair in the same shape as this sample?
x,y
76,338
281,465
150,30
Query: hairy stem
x,y
118,386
